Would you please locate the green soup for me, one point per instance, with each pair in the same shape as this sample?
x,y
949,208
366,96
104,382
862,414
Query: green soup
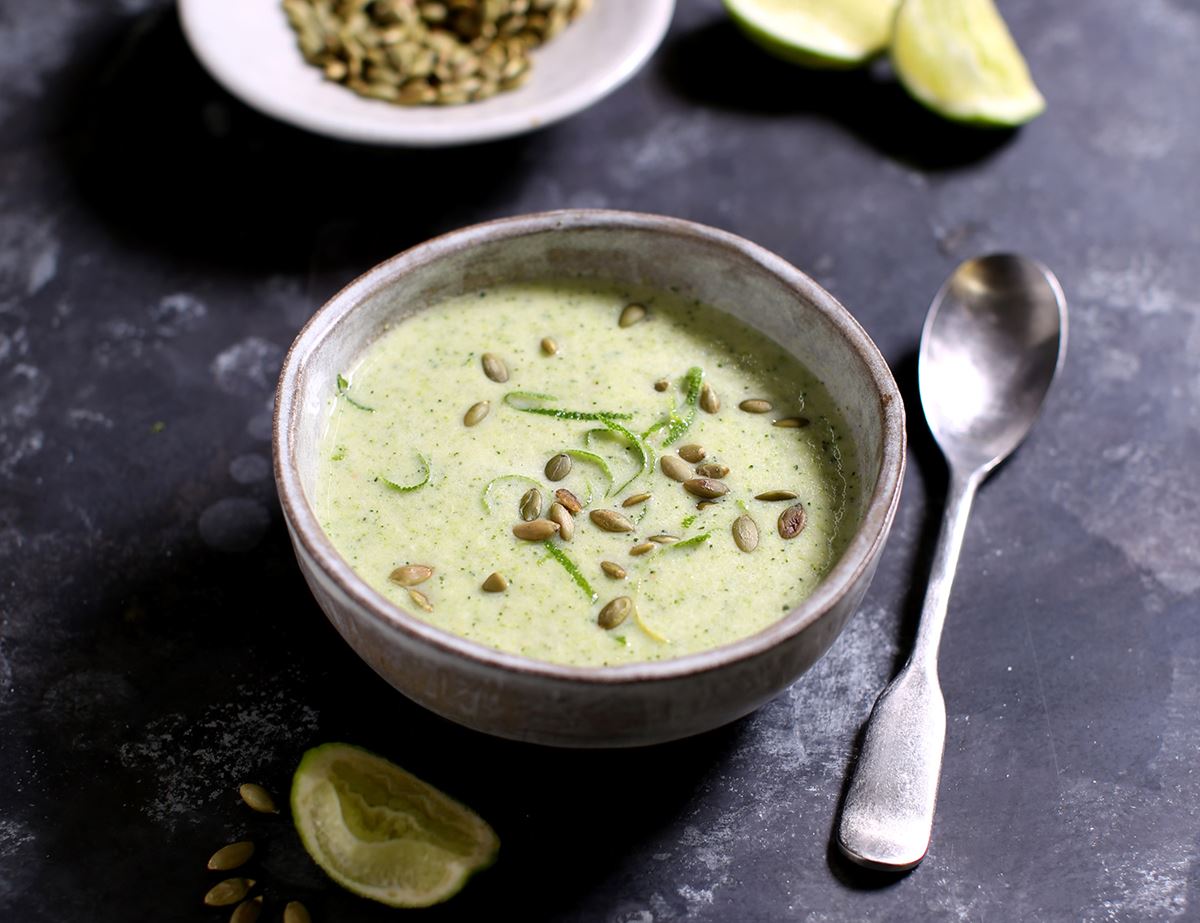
x,y
405,481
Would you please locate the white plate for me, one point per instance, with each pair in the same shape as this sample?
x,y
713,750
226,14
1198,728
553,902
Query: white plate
x,y
250,48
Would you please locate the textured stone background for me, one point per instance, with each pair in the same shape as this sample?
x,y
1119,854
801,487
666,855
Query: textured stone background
x,y
160,244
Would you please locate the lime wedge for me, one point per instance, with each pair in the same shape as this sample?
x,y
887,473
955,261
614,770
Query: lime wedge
x,y
959,59
817,33
383,833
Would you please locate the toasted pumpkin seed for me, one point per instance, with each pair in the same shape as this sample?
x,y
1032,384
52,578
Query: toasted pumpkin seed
x,y
675,467
295,912
420,599
792,521
611,521
613,569
227,892
247,911
709,402
631,314
494,368
538,530
792,422
705,487
665,538
754,405
712,470
661,385
558,467
566,524
410,574
745,533
635,500
569,500
531,505
615,612
476,413
549,347
257,798
232,856
705,504
641,548
692,453
770,495
495,583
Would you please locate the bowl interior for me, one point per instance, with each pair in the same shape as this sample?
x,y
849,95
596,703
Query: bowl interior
x,y
729,274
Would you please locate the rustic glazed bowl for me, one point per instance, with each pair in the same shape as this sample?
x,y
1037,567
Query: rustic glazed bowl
x,y
633,704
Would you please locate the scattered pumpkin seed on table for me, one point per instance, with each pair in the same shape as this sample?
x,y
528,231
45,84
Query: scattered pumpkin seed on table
x,y
231,857
295,912
257,798
228,892
247,911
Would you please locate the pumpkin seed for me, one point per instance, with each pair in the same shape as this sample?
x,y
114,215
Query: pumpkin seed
x,y
665,538
538,530
295,912
569,500
709,402
705,504
531,505
410,574
754,405
494,368
635,500
495,583
792,521
232,856
705,487
792,422
247,911
420,599
558,467
227,892
631,314
476,413
745,533
611,521
675,467
257,798
549,347
566,525
692,453
770,495
641,548
615,612
661,385
613,569
712,470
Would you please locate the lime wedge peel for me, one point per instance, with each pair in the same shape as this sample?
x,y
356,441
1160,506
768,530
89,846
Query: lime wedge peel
x,y
381,832
958,58
817,33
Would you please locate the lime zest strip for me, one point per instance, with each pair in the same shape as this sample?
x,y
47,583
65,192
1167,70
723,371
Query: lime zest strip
x,y
693,541
677,425
645,453
594,459
407,488
343,390
487,490
571,568
514,400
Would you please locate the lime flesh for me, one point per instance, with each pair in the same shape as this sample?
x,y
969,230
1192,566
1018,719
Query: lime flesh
x,y
959,59
817,33
383,833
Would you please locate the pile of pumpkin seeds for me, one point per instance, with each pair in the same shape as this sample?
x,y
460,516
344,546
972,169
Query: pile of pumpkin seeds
x,y
427,52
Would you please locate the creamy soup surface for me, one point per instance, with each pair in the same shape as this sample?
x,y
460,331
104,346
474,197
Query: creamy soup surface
x,y
398,415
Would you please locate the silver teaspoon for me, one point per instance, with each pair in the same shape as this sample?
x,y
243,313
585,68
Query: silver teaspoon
x,y
993,341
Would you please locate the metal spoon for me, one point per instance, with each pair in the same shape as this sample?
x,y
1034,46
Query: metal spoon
x,y
993,341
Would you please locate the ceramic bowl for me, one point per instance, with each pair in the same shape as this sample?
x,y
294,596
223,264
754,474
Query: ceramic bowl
x,y
632,704
250,48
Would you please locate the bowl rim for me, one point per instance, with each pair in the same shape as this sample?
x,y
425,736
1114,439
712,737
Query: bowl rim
x,y
860,553
238,76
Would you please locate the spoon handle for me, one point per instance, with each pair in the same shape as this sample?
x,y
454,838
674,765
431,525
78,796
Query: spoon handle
x,y
887,816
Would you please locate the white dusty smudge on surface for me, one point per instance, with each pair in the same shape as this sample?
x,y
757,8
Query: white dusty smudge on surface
x,y
250,468
33,47
17,861
176,314
234,524
1139,282
24,387
29,247
248,367
191,761
670,148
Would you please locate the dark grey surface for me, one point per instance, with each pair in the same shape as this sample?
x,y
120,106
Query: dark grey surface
x,y
160,245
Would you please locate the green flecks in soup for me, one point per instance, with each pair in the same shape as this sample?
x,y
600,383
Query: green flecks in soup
x,y
535,489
